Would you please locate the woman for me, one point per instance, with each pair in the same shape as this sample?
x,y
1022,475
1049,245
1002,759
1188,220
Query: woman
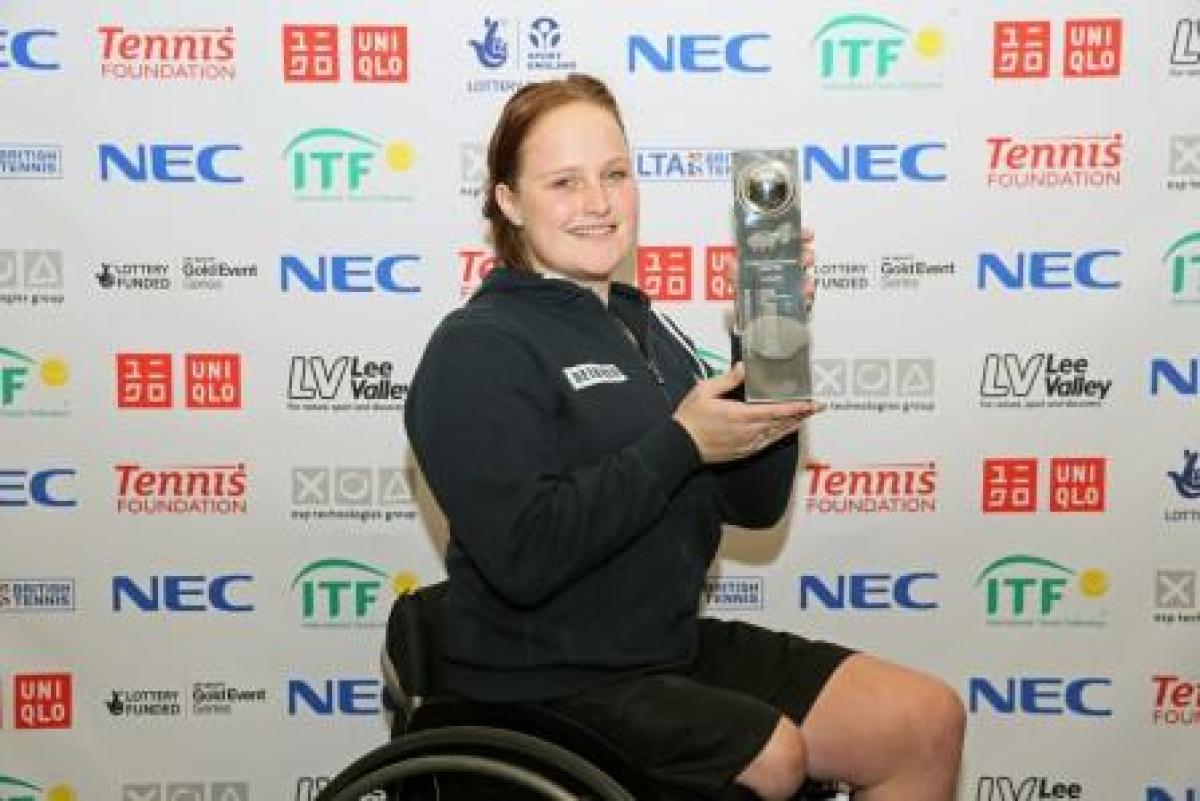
x,y
585,462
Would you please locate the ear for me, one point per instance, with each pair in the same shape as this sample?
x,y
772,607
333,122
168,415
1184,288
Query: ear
x,y
506,199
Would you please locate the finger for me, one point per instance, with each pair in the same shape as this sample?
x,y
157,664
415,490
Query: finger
x,y
806,234
726,382
808,257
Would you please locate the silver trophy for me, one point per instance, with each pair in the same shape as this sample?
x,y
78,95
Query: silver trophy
x,y
772,317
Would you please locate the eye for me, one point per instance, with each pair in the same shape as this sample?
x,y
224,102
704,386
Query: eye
x,y
618,174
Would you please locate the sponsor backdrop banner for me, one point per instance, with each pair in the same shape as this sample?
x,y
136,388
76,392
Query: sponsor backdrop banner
x,y
229,230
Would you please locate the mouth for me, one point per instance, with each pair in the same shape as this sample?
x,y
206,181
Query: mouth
x,y
594,230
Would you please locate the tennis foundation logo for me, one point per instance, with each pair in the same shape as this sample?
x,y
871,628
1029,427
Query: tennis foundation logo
x,y
886,488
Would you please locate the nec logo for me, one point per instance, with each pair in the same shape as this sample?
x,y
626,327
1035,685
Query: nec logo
x,y
1160,793
1046,269
1039,696
169,164
1185,379
350,273
50,488
335,697
866,591
875,162
21,49
704,53
177,593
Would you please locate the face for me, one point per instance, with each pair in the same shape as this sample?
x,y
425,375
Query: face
x,y
575,200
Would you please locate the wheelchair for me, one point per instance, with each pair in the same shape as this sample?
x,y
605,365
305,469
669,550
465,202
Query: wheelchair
x,y
445,748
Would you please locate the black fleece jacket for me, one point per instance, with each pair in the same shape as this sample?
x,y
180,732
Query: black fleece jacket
x,y
582,521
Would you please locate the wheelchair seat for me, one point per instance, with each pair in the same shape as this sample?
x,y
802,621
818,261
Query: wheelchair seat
x,y
446,748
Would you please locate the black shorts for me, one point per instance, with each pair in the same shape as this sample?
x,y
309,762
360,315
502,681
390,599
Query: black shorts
x,y
698,726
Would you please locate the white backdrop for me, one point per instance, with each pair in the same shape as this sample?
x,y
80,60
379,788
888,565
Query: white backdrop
x,y
220,259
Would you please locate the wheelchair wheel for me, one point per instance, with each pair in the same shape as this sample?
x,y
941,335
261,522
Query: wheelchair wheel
x,y
516,765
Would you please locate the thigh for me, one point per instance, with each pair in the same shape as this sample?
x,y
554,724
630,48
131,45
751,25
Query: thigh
x,y
779,668
679,731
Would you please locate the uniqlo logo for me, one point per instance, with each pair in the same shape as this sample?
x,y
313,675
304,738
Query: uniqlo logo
x,y
310,53
1077,484
42,701
719,272
380,53
664,272
213,380
1021,49
143,380
1009,485
1092,49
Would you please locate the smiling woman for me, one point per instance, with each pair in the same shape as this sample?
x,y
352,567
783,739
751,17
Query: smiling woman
x,y
581,538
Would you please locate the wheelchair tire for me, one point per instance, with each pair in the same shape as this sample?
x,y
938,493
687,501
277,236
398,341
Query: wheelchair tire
x,y
535,765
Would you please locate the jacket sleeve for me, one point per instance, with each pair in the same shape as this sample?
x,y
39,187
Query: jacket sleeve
x,y
755,491
481,419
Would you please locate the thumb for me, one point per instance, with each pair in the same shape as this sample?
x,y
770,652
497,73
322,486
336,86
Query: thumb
x,y
726,382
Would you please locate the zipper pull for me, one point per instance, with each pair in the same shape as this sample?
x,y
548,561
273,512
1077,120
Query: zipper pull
x,y
658,376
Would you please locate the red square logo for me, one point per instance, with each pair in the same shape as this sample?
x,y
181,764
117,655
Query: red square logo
x,y
720,262
380,53
1092,49
1021,49
42,701
310,53
143,381
664,272
1009,485
213,380
1077,484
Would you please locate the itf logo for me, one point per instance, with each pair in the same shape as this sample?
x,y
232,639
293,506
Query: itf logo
x,y
1091,48
1182,260
378,54
869,51
211,381
343,593
1077,484
1023,590
340,164
26,393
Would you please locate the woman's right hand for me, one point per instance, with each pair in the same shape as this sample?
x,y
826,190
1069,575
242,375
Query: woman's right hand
x,y
724,429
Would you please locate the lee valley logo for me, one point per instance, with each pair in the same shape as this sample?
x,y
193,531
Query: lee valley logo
x,y
1040,380
344,383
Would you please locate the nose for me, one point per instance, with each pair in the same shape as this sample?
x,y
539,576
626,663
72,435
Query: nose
x,y
595,198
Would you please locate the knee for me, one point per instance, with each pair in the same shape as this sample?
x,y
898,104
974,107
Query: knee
x,y
940,722
779,769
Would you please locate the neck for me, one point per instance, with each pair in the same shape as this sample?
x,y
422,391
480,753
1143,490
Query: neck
x,y
599,285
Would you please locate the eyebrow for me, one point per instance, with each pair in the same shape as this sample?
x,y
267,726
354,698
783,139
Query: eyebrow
x,y
570,168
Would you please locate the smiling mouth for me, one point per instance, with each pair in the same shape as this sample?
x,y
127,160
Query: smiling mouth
x,y
594,230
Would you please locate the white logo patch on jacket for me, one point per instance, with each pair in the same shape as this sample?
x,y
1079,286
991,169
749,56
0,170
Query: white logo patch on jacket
x,y
582,376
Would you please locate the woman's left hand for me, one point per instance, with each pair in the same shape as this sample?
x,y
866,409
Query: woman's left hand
x,y
808,260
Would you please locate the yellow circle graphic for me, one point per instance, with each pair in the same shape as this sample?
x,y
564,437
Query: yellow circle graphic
x,y
55,372
1093,582
60,792
930,43
404,583
399,156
